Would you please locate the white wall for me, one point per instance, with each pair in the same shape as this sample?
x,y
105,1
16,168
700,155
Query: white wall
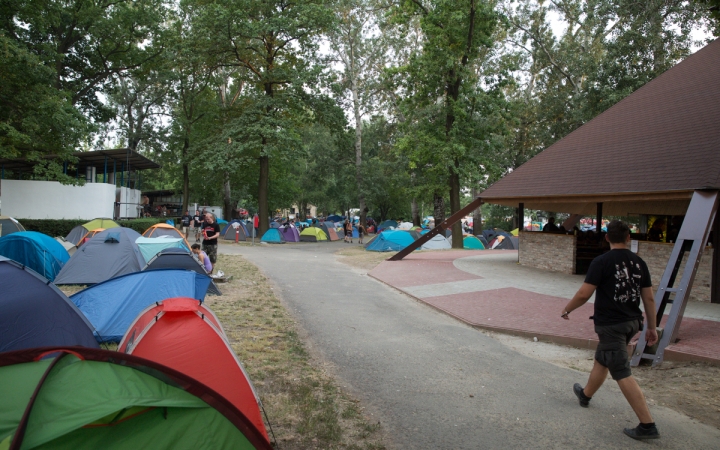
x,y
51,200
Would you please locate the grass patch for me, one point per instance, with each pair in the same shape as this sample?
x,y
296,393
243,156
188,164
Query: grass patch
x,y
304,405
357,256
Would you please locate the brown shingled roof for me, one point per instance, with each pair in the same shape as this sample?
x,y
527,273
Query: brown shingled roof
x,y
659,143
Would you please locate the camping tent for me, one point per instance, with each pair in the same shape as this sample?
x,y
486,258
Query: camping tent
x,y
79,232
176,258
185,335
91,398
38,251
228,233
290,233
163,229
111,306
313,234
109,254
472,243
68,246
504,242
35,313
335,218
329,229
437,242
405,226
9,225
484,241
273,236
150,247
390,241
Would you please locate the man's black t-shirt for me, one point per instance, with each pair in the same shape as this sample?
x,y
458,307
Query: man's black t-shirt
x,y
210,230
196,219
619,276
185,220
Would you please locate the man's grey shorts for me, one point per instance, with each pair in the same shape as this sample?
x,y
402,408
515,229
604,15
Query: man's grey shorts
x,y
612,350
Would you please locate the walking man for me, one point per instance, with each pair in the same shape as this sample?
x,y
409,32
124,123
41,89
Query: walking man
x,y
620,280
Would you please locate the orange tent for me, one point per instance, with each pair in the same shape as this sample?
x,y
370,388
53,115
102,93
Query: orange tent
x,y
183,334
163,229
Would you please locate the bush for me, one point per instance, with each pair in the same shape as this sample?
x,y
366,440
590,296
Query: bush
x,y
53,227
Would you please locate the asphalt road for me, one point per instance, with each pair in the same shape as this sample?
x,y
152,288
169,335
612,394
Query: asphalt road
x,y
435,383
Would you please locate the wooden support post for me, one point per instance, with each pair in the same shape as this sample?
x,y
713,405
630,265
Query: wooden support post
x,y
715,281
598,226
444,225
521,217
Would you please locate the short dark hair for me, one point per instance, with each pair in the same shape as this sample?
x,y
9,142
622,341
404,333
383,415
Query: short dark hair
x,y
617,232
195,247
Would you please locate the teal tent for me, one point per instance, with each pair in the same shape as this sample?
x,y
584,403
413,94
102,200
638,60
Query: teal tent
x,y
38,251
273,236
149,247
391,241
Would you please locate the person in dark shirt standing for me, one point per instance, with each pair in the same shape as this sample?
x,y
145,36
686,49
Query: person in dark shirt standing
x,y
185,220
620,280
197,225
550,227
211,232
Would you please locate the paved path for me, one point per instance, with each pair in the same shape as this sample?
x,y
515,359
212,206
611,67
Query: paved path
x,y
489,289
436,383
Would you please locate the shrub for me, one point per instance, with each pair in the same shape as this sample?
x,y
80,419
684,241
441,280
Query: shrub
x,y
53,227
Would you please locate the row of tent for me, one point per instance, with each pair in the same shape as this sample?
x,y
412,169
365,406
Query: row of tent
x,y
173,383
397,240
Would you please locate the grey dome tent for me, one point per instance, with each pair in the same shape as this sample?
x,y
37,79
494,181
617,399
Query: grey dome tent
x,y
177,258
36,313
9,225
438,242
109,254
229,231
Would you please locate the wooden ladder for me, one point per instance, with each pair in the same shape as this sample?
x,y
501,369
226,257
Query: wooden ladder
x,y
691,240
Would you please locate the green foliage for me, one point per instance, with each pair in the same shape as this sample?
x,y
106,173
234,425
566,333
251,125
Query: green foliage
x,y
496,216
140,225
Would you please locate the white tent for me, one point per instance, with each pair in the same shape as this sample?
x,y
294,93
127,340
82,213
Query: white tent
x,y
405,226
438,242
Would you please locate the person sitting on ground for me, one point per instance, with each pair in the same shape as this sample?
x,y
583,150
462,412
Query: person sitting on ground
x,y
550,227
202,257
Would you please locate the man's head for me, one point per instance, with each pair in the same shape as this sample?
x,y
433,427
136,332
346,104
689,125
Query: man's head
x,y
551,220
195,248
209,218
187,212
197,213
617,232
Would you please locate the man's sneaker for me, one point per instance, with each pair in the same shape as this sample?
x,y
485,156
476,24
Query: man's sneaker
x,y
584,400
641,433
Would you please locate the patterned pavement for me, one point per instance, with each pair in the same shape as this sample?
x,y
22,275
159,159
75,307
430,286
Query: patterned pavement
x,y
488,289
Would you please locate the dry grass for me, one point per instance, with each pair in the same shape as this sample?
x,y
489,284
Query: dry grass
x,y
357,256
304,405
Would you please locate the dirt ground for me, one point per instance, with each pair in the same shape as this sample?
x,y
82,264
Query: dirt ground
x,y
692,388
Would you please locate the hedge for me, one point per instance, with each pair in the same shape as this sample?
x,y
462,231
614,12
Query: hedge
x,y
53,227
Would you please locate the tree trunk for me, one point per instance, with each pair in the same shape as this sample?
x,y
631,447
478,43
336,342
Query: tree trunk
x,y
415,213
263,187
477,215
228,207
186,176
438,208
358,151
457,234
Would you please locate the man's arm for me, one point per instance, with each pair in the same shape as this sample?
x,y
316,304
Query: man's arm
x,y
649,303
580,298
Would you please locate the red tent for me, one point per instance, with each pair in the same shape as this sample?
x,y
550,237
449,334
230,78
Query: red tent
x,y
183,334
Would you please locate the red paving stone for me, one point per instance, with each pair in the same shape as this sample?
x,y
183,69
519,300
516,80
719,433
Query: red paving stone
x,y
527,313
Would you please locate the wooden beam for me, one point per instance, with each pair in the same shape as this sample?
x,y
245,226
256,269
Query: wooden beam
x,y
444,225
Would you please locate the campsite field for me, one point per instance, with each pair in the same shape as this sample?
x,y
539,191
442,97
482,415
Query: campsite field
x,y
692,388
305,407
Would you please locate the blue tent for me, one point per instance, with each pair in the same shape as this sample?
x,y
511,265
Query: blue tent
x,y
391,241
111,306
229,224
35,313
41,253
273,236
222,222
387,224
355,232
150,247
335,218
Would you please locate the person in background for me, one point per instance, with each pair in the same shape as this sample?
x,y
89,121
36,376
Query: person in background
x,y
197,225
211,232
550,227
655,233
186,220
202,257
256,223
361,232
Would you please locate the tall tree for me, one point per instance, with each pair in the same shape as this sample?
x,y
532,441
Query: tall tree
x,y
275,43
447,104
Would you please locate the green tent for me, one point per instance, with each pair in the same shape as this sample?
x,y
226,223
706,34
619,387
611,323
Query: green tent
x,y
91,398
472,243
100,223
